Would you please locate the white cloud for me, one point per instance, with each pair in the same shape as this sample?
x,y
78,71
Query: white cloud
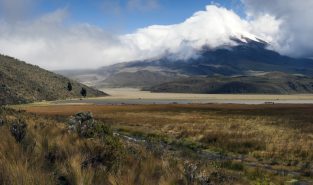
x,y
296,27
213,27
49,43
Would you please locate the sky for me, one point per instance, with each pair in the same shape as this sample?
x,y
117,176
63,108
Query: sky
x,y
125,16
81,34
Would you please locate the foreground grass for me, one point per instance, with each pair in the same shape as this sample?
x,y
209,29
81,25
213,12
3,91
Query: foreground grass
x,y
283,132
279,136
49,154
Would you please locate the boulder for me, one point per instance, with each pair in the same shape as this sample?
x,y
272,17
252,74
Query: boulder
x,y
82,123
84,116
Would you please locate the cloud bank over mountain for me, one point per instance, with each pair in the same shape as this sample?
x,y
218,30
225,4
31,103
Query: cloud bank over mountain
x,y
295,31
49,42
214,27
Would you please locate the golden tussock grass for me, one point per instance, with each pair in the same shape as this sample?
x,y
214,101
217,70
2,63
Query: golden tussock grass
x,y
49,154
273,131
279,135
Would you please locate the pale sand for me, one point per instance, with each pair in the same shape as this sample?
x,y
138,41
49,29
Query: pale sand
x,y
131,93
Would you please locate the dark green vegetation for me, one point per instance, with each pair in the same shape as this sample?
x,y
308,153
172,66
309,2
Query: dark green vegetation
x,y
24,83
269,83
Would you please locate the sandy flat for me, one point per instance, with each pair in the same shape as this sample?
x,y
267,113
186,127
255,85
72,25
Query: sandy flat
x,y
131,93
135,96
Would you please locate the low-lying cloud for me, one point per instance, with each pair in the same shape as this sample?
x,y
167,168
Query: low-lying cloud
x,y
50,43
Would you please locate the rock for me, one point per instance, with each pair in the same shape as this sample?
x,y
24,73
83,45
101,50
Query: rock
x,y
82,123
18,130
84,116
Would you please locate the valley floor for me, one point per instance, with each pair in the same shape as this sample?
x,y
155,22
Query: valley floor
x,y
133,93
135,96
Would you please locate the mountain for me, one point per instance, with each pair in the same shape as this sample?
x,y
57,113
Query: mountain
x,y
248,57
268,83
23,83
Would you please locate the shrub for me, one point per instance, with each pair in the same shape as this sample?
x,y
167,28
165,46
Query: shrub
x,y
83,92
1,122
69,86
18,130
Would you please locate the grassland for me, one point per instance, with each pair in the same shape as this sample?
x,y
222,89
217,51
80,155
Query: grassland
x,y
260,143
50,154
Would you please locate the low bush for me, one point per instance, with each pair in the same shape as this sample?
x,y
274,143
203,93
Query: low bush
x,y
18,130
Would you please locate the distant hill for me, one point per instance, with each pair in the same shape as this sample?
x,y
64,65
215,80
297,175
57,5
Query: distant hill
x,y
22,83
268,83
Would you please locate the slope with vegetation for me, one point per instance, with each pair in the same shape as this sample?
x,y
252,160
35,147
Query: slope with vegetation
x,y
267,83
22,83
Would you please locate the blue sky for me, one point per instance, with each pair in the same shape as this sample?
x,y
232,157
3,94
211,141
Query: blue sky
x,y
121,17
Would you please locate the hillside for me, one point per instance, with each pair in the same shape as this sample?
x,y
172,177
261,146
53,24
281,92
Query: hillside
x,y
22,83
139,78
268,83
